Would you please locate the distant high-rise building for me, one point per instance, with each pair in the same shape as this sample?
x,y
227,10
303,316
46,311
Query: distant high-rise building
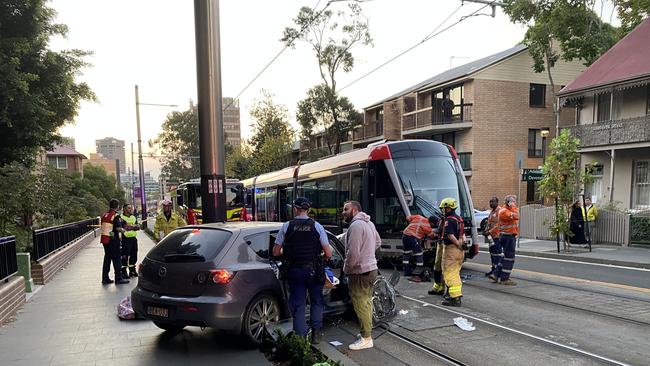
x,y
231,124
112,148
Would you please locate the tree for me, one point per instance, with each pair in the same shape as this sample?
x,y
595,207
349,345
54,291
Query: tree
x,y
332,38
632,13
38,90
271,121
566,29
561,176
179,145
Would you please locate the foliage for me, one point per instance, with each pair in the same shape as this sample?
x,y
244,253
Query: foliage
x,y
632,13
560,177
179,145
239,163
297,351
38,91
271,121
332,36
640,229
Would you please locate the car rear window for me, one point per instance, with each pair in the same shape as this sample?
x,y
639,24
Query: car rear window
x,y
190,245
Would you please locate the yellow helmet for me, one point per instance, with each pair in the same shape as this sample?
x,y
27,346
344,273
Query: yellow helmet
x,y
448,202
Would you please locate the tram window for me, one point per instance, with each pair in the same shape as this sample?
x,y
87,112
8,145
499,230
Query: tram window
x,y
260,204
356,191
271,204
286,203
310,191
327,202
344,194
388,211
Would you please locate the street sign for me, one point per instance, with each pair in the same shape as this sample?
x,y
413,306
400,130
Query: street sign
x,y
531,175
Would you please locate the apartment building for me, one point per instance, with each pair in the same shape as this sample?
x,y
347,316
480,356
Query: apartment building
x,y
64,158
231,121
611,105
492,111
112,148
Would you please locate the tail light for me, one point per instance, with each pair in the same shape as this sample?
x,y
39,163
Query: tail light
x,y
221,276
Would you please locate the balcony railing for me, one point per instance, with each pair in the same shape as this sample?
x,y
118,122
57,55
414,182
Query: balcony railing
x,y
370,130
465,159
623,131
438,116
8,261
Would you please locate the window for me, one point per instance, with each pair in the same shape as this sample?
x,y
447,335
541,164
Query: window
x,y
604,107
190,245
271,204
641,185
356,191
58,162
532,194
537,95
327,201
535,143
260,204
260,244
594,189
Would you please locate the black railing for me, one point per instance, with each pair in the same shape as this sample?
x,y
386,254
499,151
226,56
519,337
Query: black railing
x,y
372,129
50,239
457,114
465,159
8,261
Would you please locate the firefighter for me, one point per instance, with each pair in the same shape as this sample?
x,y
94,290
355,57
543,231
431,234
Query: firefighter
x,y
418,229
111,228
167,221
508,231
129,241
492,237
438,282
452,254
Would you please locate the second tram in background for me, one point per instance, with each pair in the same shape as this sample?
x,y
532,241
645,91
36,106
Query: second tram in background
x,y
391,180
187,201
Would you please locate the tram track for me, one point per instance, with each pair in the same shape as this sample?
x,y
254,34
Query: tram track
x,y
575,350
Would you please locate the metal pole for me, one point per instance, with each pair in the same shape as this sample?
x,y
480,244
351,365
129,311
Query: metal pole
x,y
557,235
211,138
132,176
143,199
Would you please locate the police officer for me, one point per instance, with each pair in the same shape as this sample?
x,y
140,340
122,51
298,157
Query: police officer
x,y
453,254
129,241
111,228
302,240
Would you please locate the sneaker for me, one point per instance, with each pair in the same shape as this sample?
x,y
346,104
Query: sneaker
x,y
436,292
107,282
121,282
508,282
452,301
361,343
316,336
493,278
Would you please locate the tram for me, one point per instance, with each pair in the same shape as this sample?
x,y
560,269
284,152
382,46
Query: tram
x,y
186,199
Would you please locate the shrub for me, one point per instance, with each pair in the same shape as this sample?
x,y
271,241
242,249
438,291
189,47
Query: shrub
x,y
640,229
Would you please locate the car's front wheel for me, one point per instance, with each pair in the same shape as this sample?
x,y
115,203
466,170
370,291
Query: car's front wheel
x,y
261,311
173,328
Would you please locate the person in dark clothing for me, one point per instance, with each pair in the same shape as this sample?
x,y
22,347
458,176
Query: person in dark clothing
x,y
577,224
301,242
111,228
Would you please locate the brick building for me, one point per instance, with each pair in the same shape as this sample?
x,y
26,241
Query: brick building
x,y
491,111
65,158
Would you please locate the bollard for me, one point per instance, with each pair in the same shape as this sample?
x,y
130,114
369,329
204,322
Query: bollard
x,y
25,270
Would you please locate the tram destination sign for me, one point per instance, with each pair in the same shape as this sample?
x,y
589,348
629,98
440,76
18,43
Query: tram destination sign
x,y
531,175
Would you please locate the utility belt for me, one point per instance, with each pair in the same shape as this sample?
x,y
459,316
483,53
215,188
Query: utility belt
x,y
508,235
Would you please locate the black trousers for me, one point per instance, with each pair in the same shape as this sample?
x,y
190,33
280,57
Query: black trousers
x,y
129,252
111,255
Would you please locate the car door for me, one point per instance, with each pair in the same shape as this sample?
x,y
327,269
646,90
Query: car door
x,y
336,299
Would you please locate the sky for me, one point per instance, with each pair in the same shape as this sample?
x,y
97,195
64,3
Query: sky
x,y
151,43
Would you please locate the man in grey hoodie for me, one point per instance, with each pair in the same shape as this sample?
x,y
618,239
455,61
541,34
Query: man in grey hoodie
x,y
362,240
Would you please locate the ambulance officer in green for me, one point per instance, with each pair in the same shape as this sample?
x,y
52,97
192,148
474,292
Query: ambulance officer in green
x,y
129,241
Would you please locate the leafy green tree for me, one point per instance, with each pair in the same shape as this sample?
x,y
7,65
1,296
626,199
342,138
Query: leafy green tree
x,y
632,13
332,36
38,90
561,177
239,163
271,121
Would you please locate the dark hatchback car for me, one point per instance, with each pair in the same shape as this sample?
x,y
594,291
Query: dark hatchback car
x,y
223,276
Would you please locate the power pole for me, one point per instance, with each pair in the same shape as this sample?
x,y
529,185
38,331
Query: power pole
x,y
132,176
492,4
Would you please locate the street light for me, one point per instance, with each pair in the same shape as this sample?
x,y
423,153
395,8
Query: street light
x,y
544,133
143,200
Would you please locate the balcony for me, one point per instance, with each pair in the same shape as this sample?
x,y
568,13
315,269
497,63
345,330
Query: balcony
x,y
614,132
438,120
368,131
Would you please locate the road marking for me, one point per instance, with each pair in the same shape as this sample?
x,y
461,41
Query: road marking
x,y
576,350
577,280
580,262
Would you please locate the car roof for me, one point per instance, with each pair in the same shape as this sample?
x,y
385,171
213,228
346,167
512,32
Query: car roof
x,y
242,226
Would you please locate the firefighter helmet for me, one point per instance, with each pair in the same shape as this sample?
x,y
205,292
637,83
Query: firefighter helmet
x,y
448,202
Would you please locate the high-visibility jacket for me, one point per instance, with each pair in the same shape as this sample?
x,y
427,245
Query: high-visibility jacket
x,y
592,213
162,227
493,223
130,221
106,227
509,220
418,226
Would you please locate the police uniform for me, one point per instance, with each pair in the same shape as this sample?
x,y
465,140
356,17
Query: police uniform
x,y
303,240
129,245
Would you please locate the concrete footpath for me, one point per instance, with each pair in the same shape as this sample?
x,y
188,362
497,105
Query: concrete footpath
x,y
73,321
636,256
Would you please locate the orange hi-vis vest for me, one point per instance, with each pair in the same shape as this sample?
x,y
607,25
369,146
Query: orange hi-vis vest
x,y
509,220
418,227
106,227
493,223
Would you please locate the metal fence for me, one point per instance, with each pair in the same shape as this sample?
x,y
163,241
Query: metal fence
x,y
8,261
49,240
611,227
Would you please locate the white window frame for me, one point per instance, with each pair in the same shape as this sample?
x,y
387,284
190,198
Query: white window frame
x,y
636,186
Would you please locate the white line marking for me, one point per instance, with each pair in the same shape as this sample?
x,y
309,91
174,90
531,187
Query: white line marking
x,y
581,262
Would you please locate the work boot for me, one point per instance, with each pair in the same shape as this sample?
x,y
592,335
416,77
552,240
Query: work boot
x,y
107,281
121,282
316,336
124,273
489,273
507,282
493,278
361,343
433,291
133,273
452,301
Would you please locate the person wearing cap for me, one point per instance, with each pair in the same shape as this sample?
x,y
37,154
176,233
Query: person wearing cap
x,y
168,221
301,242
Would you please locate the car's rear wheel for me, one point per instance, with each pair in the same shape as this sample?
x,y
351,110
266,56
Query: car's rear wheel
x,y
173,328
264,309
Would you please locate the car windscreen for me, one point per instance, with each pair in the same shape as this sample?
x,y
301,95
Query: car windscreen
x,y
190,245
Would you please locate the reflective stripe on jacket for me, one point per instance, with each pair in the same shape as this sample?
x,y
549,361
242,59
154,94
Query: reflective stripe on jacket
x,y
418,227
509,220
